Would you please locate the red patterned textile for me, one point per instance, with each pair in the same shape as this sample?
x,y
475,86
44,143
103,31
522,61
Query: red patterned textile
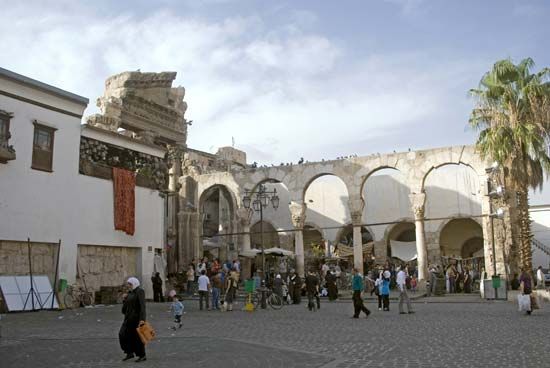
x,y
125,200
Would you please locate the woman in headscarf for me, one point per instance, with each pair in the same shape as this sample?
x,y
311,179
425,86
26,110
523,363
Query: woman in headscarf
x,y
278,285
134,312
332,289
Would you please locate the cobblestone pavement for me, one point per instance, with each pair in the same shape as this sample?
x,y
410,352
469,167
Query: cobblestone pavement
x,y
490,334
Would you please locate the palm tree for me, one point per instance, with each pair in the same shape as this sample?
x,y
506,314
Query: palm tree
x,y
512,114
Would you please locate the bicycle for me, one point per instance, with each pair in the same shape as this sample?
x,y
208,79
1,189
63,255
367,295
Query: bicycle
x,y
272,299
76,297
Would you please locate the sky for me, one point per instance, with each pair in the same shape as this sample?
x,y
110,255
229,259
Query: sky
x,y
291,78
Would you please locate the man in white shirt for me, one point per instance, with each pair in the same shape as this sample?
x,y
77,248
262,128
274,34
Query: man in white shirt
x,y
403,296
204,287
540,278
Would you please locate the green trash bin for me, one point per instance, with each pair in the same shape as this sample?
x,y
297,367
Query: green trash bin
x,y
496,281
62,285
249,286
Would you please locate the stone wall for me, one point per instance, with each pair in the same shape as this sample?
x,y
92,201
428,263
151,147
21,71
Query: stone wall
x,y
14,258
106,266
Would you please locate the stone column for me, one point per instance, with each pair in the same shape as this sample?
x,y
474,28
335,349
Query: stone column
x,y
244,215
298,214
418,200
356,206
174,254
357,241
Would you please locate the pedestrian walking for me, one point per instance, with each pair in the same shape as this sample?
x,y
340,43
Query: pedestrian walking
x,y
467,281
177,312
296,287
403,296
357,287
133,308
378,288
330,280
526,288
204,288
231,284
451,276
385,290
540,278
278,285
157,288
190,278
312,290
217,285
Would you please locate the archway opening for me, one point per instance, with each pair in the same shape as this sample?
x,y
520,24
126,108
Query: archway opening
x,y
278,218
451,190
216,215
270,236
401,243
326,198
461,238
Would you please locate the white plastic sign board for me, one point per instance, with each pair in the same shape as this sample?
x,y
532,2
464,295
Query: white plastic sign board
x,y
18,296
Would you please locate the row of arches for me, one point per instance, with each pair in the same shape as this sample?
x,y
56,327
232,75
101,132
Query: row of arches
x,y
452,191
460,237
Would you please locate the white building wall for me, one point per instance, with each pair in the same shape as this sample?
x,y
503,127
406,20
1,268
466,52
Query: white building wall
x,y
540,228
77,209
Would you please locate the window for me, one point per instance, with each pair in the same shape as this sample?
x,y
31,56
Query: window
x,y
4,129
7,152
42,150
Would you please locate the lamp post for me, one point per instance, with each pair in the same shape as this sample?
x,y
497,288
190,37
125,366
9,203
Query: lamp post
x,y
258,201
495,193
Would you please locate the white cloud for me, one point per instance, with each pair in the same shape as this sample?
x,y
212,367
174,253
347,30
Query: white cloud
x,y
283,92
407,6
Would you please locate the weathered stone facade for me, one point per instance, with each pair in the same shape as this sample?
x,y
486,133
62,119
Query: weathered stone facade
x,y
14,258
106,266
354,172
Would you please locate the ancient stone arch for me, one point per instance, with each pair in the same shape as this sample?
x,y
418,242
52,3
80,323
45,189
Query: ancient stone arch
x,y
416,166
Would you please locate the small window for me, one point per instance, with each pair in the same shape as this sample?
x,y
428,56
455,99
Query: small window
x,y
7,152
42,151
4,128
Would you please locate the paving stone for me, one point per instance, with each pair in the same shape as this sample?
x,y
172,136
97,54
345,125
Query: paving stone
x,y
439,334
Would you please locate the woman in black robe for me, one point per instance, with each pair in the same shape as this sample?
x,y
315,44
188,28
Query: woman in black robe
x,y
330,280
134,312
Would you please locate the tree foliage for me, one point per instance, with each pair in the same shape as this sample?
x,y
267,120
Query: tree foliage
x,y
512,114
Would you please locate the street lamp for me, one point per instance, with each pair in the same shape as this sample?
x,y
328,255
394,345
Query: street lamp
x,y
495,193
262,198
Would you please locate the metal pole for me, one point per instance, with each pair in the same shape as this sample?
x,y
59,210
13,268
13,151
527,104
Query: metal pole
x,y
30,272
489,188
262,235
56,272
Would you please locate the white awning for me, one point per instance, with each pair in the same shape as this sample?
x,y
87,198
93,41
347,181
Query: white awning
x,y
279,251
250,253
211,243
405,251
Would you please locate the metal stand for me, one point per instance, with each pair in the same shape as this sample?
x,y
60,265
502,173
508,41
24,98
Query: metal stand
x,y
32,293
55,276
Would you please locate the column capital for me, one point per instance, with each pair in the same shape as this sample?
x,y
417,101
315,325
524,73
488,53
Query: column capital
x,y
356,217
244,215
418,200
297,213
356,206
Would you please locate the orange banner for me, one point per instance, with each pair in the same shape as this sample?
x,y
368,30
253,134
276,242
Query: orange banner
x,y
124,184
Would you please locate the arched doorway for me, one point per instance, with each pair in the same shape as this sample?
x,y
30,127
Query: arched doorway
x,y
326,198
313,247
344,245
461,243
216,214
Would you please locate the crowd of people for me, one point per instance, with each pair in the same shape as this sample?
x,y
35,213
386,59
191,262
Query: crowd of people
x,y
217,284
